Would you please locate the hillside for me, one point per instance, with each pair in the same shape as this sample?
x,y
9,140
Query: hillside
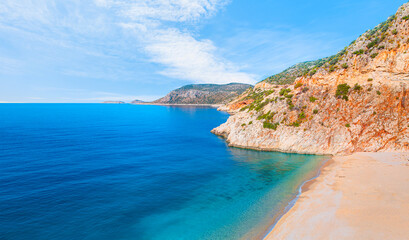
x,y
204,94
356,100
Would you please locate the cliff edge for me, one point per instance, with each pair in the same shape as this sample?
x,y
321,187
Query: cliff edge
x,y
354,101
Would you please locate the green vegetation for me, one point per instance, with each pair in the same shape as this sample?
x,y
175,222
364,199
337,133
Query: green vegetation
x,y
313,99
370,79
359,52
301,115
348,125
312,72
373,43
295,124
378,92
243,125
357,87
289,75
284,91
342,91
315,111
345,65
268,93
395,32
406,17
268,116
271,125
290,104
261,105
298,85
374,55
251,122
258,97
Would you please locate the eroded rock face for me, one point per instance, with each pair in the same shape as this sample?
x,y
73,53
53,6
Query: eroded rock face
x,y
372,115
368,121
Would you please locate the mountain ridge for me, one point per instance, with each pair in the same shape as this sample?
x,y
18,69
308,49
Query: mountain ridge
x,y
356,100
204,94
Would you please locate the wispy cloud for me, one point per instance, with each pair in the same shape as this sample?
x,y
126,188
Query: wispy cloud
x,y
157,28
182,55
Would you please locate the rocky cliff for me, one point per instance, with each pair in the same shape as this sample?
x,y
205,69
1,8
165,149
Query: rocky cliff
x,y
356,100
204,94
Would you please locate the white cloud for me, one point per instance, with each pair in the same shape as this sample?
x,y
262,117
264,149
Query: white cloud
x,y
182,55
191,59
159,28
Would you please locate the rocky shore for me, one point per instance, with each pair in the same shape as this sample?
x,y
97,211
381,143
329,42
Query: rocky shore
x,y
355,101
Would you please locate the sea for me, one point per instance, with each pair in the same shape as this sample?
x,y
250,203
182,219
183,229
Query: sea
x,y
136,172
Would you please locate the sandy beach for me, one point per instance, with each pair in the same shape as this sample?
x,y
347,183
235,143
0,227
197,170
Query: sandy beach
x,y
361,196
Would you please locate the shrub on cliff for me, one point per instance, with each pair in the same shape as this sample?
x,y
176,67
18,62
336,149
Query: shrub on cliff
x,y
374,55
268,116
313,72
342,91
359,52
357,87
373,43
301,115
284,91
313,99
271,125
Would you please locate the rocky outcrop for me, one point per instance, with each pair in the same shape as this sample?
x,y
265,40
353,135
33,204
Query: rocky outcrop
x,y
355,101
114,102
137,102
204,94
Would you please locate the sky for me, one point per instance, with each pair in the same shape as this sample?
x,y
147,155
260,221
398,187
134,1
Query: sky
x,y
64,51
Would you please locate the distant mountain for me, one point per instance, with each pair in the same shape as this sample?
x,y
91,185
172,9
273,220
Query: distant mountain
x,y
204,94
137,101
114,102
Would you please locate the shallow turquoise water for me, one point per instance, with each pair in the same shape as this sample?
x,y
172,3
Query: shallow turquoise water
x,y
94,171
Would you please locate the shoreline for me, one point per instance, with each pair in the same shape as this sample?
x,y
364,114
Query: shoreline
x,y
301,189
334,204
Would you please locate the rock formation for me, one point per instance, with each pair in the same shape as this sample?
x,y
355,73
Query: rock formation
x,y
204,94
356,100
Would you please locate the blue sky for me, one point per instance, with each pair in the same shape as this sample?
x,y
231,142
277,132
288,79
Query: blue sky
x,y
96,50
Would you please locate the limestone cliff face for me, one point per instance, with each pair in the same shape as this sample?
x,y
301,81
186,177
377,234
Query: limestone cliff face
x,y
357,100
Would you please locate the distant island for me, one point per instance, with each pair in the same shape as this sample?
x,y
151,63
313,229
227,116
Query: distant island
x,y
114,102
204,94
137,101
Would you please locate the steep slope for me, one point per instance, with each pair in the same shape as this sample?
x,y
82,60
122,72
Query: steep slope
x,y
204,94
357,100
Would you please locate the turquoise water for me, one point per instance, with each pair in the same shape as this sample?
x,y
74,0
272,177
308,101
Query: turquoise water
x,y
95,171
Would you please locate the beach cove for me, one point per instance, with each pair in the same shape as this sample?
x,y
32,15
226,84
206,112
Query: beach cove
x,y
361,196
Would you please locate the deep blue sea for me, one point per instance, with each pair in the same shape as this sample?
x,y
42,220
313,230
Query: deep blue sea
x,y
101,171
